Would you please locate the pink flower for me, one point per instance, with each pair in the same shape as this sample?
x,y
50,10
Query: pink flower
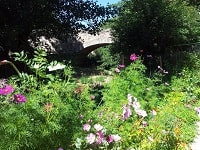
x,y
92,97
98,127
117,70
91,138
100,137
19,98
133,57
154,113
126,112
122,66
86,127
110,139
6,89
60,148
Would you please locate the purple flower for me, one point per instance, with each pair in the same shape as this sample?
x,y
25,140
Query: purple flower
x,y
86,127
117,70
133,57
144,123
110,139
6,89
122,66
126,112
100,137
19,98
91,138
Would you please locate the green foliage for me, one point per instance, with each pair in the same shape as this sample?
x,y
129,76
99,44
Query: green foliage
x,y
106,59
163,116
155,26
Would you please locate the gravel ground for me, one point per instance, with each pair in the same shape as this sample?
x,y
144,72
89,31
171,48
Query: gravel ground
x,y
196,143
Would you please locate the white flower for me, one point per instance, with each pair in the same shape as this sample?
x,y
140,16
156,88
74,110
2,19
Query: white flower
x,y
91,138
141,112
116,138
98,127
56,67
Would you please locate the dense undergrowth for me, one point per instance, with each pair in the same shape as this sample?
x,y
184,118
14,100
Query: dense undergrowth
x,y
129,111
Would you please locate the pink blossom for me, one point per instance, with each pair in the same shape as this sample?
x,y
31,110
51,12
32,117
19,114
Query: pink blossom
x,y
100,137
110,139
117,70
126,112
133,57
91,138
86,127
136,104
154,113
19,98
98,127
6,89
122,66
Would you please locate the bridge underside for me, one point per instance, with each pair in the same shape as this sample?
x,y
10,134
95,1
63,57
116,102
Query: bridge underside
x,y
81,56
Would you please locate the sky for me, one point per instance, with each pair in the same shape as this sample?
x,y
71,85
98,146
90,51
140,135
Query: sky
x,y
104,2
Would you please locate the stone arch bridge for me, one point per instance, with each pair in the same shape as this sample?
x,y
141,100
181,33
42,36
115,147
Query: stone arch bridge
x,y
83,44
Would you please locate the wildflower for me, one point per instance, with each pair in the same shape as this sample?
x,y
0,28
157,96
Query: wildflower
x,y
6,89
56,67
48,107
117,70
133,57
110,139
141,51
122,66
86,127
126,112
60,148
3,62
141,112
91,138
116,138
154,113
19,98
100,137
197,109
144,123
129,96
98,127
92,97
136,104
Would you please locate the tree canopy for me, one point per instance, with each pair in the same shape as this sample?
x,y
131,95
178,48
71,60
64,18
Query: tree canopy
x,y
155,26
19,19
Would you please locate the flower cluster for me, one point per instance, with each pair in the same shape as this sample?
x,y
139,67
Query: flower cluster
x,y
99,137
6,89
127,112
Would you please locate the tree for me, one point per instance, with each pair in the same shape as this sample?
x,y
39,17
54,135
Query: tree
x,y
21,19
155,26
